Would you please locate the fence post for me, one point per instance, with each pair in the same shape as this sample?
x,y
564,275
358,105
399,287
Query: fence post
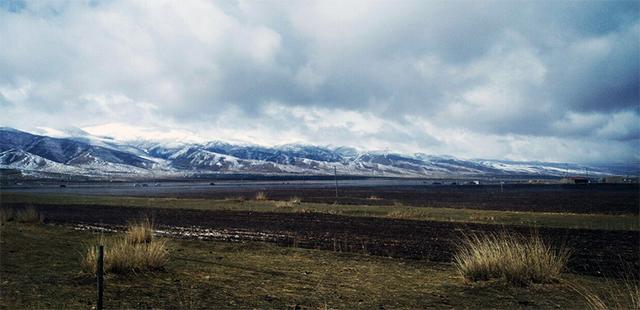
x,y
99,272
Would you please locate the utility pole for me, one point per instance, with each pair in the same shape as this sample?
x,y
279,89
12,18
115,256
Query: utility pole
x,y
586,172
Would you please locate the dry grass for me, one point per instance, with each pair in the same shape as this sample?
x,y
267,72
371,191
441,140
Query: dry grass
x,y
140,232
123,257
291,203
28,215
134,251
401,214
237,199
283,204
261,196
6,215
619,296
517,259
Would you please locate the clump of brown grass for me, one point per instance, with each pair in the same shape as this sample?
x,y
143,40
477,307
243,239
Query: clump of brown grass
x,y
6,215
140,232
134,251
291,203
261,196
28,215
517,259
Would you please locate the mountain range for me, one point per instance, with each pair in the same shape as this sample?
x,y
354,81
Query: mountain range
x,y
81,154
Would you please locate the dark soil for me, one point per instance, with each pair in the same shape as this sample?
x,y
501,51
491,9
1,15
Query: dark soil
x,y
595,252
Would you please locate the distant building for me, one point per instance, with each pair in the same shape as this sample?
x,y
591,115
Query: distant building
x,y
574,180
540,181
619,180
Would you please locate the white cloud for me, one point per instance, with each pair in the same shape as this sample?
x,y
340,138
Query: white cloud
x,y
472,79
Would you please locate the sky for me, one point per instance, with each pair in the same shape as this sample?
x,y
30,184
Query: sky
x,y
517,80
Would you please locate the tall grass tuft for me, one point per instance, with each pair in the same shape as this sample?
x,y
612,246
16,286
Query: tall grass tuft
x,y
517,259
28,215
134,251
90,256
624,294
261,196
140,232
295,200
288,204
6,215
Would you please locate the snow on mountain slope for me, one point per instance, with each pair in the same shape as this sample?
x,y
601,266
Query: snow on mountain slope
x,y
84,154
18,159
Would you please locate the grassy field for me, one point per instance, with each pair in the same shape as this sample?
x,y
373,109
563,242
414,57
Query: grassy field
x,y
40,269
529,219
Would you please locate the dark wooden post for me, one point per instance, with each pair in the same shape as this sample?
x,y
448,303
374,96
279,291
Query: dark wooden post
x,y
99,273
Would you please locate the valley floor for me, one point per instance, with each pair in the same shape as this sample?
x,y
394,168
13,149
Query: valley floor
x,y
237,253
40,269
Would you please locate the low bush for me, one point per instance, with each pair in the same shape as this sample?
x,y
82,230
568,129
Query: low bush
x,y
519,260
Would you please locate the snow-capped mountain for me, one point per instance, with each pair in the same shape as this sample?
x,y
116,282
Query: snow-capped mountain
x,y
82,154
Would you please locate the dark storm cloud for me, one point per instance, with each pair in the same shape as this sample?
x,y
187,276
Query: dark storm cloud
x,y
444,77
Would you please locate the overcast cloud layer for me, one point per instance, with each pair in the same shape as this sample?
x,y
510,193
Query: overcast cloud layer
x,y
552,81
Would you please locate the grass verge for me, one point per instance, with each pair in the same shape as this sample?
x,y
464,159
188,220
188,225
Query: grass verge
x,y
528,219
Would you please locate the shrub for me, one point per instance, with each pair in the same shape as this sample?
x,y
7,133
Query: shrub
x,y
517,259
28,215
261,196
